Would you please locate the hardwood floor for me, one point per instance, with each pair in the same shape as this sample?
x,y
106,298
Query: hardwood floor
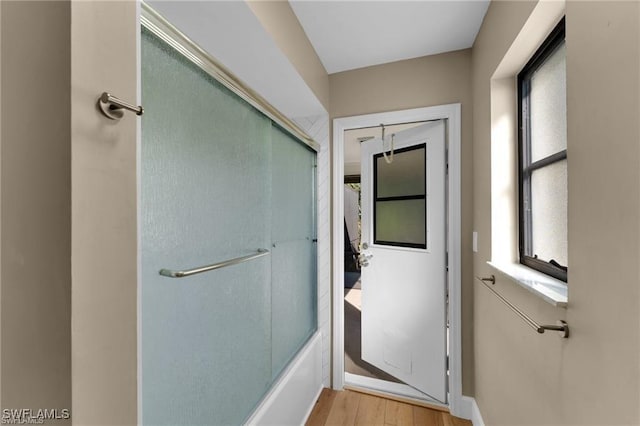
x,y
354,408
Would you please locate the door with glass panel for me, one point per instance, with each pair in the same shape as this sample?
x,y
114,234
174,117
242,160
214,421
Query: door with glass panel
x,y
404,257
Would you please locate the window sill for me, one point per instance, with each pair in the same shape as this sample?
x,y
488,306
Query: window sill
x,y
550,289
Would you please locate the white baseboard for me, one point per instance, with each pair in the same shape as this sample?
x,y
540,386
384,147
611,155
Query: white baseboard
x,y
468,409
292,398
461,407
476,416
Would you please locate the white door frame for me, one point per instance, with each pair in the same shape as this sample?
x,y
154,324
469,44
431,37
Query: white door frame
x,y
452,113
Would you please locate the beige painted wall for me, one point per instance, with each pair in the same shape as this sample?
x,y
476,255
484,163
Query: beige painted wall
x,y
61,253
594,376
104,215
278,19
35,205
428,81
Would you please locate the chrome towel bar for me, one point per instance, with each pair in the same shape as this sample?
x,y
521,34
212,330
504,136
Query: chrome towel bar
x,y
181,274
563,327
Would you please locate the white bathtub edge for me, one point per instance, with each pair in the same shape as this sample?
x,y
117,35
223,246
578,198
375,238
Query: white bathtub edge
x,y
292,398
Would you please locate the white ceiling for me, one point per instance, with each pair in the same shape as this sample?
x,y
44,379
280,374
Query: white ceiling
x,y
354,34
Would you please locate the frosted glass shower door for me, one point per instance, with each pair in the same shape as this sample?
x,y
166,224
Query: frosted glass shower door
x,y
206,172
220,180
293,252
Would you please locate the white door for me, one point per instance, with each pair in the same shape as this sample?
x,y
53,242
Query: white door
x,y
404,246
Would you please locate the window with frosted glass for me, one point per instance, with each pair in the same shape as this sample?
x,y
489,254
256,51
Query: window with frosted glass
x,y
543,158
400,198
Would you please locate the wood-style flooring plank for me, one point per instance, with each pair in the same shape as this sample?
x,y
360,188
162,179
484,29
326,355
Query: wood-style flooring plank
x,y
457,421
398,414
447,419
371,411
350,408
322,408
344,409
426,417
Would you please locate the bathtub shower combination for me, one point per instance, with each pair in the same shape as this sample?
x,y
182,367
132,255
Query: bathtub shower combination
x,y
221,181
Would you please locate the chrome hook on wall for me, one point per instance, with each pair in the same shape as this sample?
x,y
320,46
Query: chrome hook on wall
x,y
113,108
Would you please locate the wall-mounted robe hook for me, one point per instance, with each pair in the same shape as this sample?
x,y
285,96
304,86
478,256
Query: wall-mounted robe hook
x,y
113,107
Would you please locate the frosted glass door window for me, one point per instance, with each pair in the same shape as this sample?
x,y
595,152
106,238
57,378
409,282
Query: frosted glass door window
x,y
213,170
400,221
400,200
405,176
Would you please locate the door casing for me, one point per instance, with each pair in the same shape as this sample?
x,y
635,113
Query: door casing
x,y
451,113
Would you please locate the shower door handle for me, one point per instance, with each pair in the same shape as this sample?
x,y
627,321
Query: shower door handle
x,y
186,273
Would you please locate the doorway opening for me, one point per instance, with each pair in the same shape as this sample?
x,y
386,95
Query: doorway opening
x,y
352,254
353,283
